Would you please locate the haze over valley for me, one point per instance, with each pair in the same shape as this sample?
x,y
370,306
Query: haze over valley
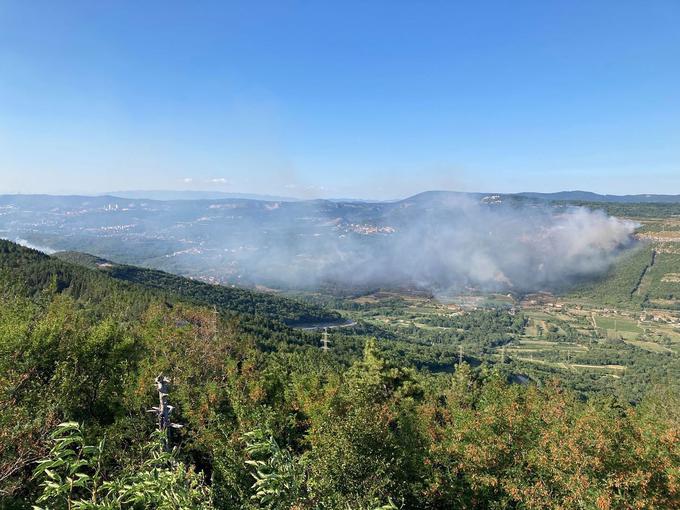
x,y
435,241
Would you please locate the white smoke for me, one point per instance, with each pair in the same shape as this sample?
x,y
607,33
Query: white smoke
x,y
456,244
28,244
436,241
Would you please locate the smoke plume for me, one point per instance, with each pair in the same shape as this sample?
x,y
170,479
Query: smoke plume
x,y
438,241
454,244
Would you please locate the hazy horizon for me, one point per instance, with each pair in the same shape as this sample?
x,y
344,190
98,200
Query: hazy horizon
x,y
205,194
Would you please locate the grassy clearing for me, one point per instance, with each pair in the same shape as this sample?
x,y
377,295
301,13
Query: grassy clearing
x,y
649,346
532,314
617,324
598,367
626,335
538,342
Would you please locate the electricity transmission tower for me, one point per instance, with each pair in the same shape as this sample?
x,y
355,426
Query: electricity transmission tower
x,y
460,354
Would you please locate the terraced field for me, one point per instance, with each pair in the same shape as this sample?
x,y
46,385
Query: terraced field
x,y
586,345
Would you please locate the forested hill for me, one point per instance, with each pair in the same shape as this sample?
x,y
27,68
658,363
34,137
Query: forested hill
x,y
30,273
86,276
234,299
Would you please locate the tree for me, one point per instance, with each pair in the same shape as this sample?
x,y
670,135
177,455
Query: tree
x,y
72,478
366,446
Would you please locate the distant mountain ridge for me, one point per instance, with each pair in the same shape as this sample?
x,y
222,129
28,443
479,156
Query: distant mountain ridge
x,y
568,196
198,196
163,195
589,196
559,196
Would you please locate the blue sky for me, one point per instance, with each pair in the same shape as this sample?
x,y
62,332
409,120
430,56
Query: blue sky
x,y
364,99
